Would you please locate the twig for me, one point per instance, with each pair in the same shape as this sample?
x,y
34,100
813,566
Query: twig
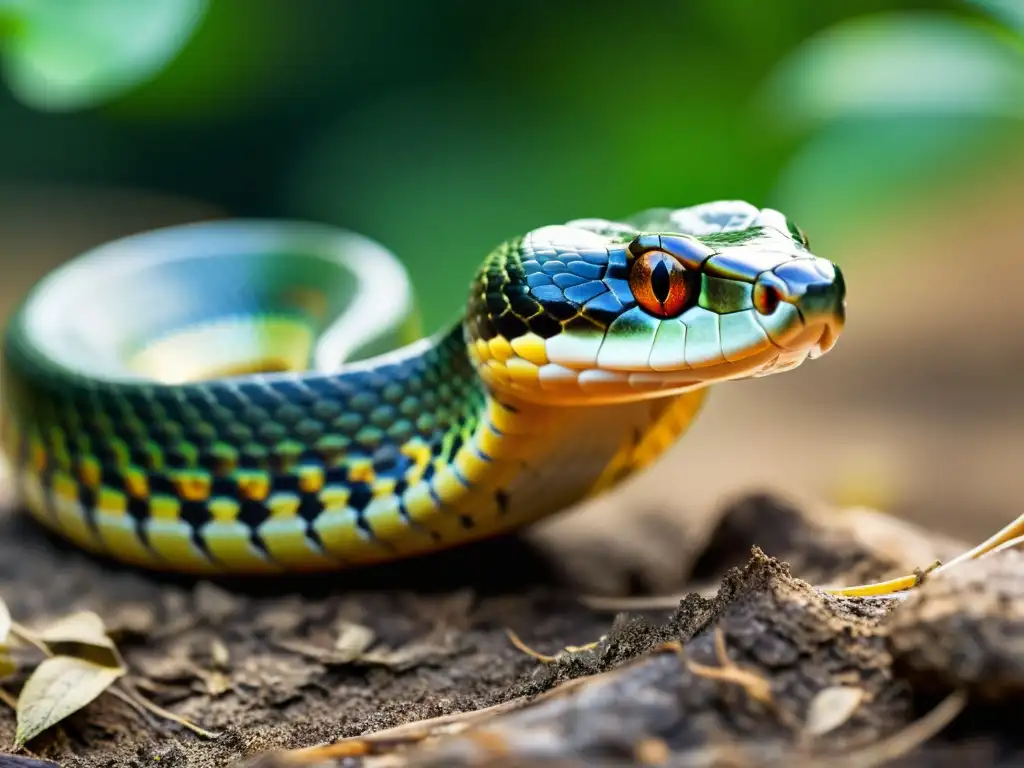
x,y
514,638
159,711
729,671
127,699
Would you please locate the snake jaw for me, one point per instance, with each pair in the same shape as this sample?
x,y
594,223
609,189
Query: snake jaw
x,y
826,341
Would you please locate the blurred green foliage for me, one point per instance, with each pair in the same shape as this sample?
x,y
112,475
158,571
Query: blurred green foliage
x,y
889,106
61,55
1011,12
442,128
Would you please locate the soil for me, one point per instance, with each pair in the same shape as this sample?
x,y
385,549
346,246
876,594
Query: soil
x,y
797,676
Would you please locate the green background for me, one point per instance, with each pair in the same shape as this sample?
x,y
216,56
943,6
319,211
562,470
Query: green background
x,y
442,128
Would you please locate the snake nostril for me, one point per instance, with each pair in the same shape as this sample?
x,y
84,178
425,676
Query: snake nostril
x,y
766,298
822,300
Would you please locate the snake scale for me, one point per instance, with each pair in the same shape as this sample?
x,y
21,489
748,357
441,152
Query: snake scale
x,y
255,397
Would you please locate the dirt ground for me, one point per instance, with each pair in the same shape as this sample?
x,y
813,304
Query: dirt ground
x,y
915,412
806,679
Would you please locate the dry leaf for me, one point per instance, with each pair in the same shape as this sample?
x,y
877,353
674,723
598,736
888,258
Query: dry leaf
x,y
217,683
215,603
83,635
132,618
831,708
59,687
5,623
353,639
219,654
82,627
408,656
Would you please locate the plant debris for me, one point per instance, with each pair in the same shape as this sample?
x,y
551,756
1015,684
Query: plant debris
x,y
59,686
758,667
80,662
832,707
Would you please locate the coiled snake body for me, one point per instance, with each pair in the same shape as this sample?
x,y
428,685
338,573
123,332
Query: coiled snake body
x,y
248,397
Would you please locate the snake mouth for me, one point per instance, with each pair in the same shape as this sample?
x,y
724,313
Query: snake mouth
x,y
827,340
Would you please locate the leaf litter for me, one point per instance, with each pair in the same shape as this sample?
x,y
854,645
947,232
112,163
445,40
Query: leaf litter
x,y
80,663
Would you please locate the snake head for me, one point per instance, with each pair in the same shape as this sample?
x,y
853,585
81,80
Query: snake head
x,y
600,311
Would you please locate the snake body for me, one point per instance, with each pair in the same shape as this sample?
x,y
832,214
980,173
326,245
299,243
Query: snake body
x,y
254,397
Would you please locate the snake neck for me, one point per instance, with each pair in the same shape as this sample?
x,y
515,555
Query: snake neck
x,y
541,458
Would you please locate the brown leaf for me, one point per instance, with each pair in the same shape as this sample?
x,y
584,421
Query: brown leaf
x,y
217,683
219,654
82,627
408,656
82,635
353,640
59,687
138,619
214,603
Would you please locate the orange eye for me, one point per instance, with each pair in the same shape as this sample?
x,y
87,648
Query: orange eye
x,y
659,284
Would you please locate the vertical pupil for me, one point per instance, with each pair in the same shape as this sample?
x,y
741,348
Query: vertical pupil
x,y
660,281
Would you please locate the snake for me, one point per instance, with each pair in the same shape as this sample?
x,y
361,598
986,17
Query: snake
x,y
257,396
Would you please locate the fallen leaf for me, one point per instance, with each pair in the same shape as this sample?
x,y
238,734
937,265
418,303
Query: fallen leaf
x,y
312,651
353,639
82,635
5,623
132,619
219,654
217,683
414,654
214,603
283,616
832,707
60,686
172,666
81,627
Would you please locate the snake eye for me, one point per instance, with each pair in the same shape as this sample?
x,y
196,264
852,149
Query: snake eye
x,y
659,284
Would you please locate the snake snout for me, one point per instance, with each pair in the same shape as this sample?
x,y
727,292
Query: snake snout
x,y
817,289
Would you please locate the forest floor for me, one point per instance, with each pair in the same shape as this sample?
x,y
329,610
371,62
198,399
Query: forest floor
x,y
755,667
